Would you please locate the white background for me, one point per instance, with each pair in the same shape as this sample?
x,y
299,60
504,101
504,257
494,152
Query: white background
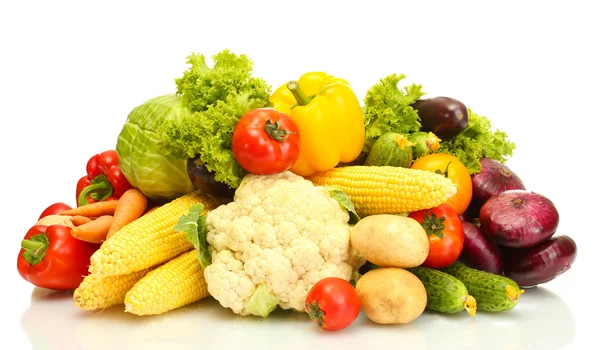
x,y
70,72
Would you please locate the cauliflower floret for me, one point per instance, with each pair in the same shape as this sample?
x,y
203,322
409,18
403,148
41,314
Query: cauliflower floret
x,y
282,233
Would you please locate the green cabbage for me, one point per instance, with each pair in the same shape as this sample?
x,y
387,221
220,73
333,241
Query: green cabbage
x,y
159,177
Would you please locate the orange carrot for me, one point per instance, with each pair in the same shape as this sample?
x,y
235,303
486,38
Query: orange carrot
x,y
130,206
79,220
94,231
93,209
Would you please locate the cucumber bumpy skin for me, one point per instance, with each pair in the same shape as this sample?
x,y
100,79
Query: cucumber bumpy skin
x,y
445,293
492,292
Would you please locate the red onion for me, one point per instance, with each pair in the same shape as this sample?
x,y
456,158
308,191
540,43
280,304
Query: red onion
x,y
518,218
493,179
471,213
478,252
540,264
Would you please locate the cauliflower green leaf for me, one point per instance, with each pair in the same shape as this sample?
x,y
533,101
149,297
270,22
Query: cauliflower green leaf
x,y
345,202
262,303
193,225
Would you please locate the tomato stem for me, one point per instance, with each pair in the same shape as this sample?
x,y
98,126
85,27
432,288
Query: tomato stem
x,y
445,173
433,225
299,95
274,131
315,312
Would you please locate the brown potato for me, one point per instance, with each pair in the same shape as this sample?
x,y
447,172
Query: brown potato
x,y
56,220
391,295
390,240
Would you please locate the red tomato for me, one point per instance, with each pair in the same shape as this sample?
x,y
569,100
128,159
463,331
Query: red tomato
x,y
446,235
265,141
332,303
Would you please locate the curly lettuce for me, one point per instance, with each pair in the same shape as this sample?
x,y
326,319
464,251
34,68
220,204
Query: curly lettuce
x,y
478,141
388,109
219,97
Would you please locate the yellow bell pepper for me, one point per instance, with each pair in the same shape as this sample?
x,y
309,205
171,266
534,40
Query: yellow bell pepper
x,y
329,119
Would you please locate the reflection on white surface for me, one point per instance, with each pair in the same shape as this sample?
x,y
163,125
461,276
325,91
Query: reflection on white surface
x,y
542,320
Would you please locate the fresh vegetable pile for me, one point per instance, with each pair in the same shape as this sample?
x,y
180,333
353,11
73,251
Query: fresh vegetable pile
x,y
306,198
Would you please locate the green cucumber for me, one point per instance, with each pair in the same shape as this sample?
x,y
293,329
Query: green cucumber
x,y
392,149
492,292
445,293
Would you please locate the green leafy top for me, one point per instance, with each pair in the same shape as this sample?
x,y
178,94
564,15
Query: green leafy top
x,y
388,108
478,141
202,86
219,97
193,225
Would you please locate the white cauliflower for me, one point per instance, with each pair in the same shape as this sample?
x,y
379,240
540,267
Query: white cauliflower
x,y
279,236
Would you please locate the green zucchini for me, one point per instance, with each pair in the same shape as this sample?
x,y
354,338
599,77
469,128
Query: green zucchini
x,y
492,292
424,143
392,149
445,293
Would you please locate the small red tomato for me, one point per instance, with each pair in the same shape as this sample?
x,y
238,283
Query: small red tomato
x,y
55,209
446,235
332,303
265,142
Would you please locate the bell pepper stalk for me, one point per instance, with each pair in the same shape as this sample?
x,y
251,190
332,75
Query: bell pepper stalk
x,y
329,119
104,179
50,257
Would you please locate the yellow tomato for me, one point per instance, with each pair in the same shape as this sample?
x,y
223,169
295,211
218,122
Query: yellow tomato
x,y
455,170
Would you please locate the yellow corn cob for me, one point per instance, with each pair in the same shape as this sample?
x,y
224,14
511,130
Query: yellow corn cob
x,y
97,292
175,284
149,240
387,189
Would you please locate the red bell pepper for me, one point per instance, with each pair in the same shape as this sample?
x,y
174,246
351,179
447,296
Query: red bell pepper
x,y
55,209
104,179
52,258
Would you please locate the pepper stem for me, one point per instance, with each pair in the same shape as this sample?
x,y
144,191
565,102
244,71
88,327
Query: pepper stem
x,y
299,95
35,248
31,246
99,189
274,131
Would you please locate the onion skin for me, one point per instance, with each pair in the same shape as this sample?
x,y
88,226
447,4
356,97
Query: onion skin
x,y
494,179
530,267
478,252
518,218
